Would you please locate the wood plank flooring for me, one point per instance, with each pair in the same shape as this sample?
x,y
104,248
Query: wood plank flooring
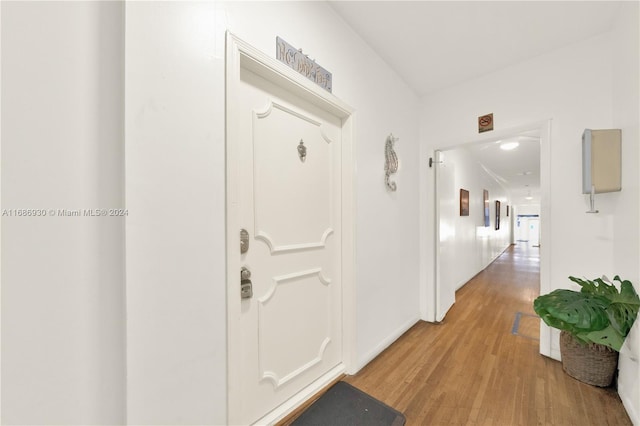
x,y
471,370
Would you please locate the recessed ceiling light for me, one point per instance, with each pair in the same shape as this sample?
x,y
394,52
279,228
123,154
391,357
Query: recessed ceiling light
x,y
508,146
528,197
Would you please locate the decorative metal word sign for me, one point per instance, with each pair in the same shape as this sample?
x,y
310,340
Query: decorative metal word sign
x,y
295,59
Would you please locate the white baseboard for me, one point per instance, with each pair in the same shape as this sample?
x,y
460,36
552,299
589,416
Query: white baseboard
x,y
295,401
384,344
298,399
549,341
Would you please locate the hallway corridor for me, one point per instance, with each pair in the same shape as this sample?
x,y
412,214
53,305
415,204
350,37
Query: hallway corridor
x,y
481,365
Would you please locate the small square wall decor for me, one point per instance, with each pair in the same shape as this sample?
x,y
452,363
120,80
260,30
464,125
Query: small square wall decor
x,y
464,202
485,206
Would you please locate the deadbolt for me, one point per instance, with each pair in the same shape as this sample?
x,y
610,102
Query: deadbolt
x,y
246,286
244,241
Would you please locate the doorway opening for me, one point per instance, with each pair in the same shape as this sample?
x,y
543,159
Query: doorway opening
x,y
501,184
527,229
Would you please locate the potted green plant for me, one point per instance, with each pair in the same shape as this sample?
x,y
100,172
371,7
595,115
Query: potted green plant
x,y
593,322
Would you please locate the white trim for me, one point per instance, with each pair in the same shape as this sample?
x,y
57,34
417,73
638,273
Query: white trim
x,y
437,315
384,344
425,271
348,246
242,55
1,209
545,231
292,403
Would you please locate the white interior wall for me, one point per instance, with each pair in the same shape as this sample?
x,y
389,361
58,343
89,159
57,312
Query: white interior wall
x,y
626,231
175,192
62,354
527,209
386,222
591,84
552,86
62,277
471,246
1,207
175,234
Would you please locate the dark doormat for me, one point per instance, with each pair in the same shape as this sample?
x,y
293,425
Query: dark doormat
x,y
344,405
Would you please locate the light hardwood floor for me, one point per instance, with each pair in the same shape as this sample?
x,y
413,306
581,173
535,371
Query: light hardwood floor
x,y
470,369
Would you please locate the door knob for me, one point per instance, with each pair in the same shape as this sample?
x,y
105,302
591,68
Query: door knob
x,y
246,286
245,273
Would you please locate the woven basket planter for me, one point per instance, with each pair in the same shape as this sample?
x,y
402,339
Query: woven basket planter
x,y
593,364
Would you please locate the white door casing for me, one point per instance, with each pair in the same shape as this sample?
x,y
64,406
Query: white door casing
x,y
295,334
445,235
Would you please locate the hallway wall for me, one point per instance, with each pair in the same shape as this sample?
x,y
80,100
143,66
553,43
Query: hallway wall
x,y
72,72
590,84
551,86
467,245
63,302
64,65
626,231
387,247
175,154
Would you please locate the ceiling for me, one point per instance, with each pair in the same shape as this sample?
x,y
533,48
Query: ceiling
x,y
517,170
437,44
433,45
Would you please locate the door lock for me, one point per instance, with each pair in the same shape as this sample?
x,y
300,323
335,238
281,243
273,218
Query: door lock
x,y
246,286
244,241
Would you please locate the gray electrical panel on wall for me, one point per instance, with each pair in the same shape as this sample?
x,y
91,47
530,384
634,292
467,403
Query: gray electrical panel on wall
x,y
601,161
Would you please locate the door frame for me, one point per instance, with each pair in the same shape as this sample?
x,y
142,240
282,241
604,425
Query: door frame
x,y
239,55
439,315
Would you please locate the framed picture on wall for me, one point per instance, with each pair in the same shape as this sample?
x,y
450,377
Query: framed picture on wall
x,y
497,215
485,204
464,202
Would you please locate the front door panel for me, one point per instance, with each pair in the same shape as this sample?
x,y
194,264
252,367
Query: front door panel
x,y
289,202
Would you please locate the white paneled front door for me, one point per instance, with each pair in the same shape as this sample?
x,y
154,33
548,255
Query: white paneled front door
x,y
287,322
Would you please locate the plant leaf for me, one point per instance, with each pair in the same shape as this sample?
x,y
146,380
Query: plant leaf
x,y
624,307
598,313
622,316
627,293
597,287
572,311
607,336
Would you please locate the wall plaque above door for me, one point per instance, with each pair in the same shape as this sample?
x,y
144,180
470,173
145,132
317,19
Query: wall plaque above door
x,y
295,59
